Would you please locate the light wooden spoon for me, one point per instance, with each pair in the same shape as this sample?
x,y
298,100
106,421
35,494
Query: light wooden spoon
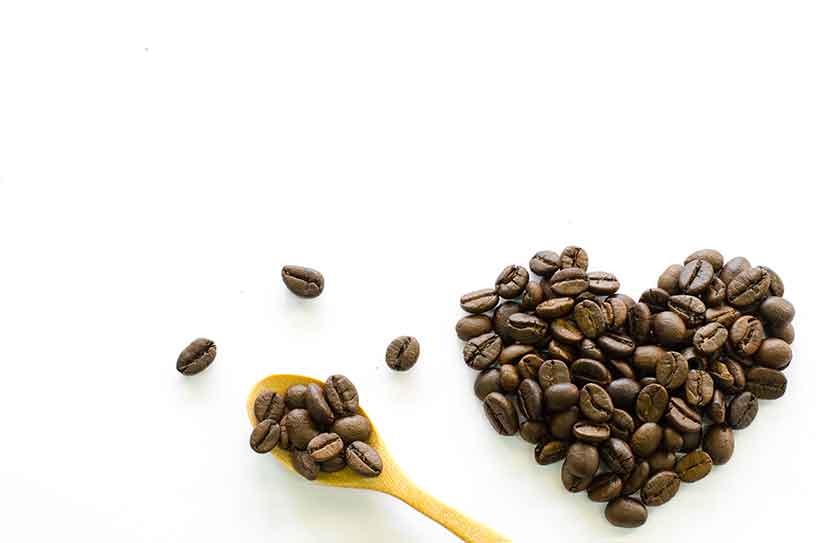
x,y
391,481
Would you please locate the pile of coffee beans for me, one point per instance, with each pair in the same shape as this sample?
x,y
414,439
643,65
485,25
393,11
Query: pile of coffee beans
x,y
634,397
322,426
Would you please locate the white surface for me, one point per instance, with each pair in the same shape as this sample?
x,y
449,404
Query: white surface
x,y
160,161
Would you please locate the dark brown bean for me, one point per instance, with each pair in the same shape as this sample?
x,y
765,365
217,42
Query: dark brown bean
x,y
660,488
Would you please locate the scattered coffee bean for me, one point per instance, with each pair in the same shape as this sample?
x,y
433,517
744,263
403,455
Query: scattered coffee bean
x,y
196,357
694,466
604,487
660,488
626,513
473,325
402,353
304,282
479,301
304,464
265,436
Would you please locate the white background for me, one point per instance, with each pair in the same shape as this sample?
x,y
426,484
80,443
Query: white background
x,y
161,160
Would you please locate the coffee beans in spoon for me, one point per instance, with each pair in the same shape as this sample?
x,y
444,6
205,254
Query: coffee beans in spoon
x,y
637,399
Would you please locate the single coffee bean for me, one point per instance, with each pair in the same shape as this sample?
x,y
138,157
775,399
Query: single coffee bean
x,y
561,351
622,369
196,357
574,257
682,417
725,315
590,318
694,466
402,353
711,256
511,281
668,280
689,308
295,396
586,370
552,372
304,282
532,296
595,403
560,397
479,301
265,436
527,329
300,427
333,465
640,322
569,282
625,513
352,428
672,440
616,345
588,349
661,487
766,383
636,479
774,353
317,406
565,331
533,431
513,353
509,378
487,381
647,357
482,351
621,425
661,460
719,443
603,283
269,405
616,312
341,395
554,308
669,328
691,441
529,366
304,464
623,392
717,407
531,400
325,446
695,276
605,487
549,452
284,441
501,413
618,455
742,410
591,432
746,335
734,267
699,388
777,310
651,403
501,320
710,338
545,263
646,439
582,460
473,325
671,370
782,331
715,294
573,483
776,287
561,423
363,459
646,381
748,287
656,299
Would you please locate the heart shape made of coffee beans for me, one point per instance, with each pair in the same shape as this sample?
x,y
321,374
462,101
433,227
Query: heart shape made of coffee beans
x,y
634,397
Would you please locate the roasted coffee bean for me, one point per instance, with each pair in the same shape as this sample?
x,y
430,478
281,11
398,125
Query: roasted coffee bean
x,y
554,308
748,287
710,338
482,351
586,370
352,428
333,465
656,298
777,310
590,319
719,443
295,397
694,466
669,328
720,373
711,256
623,392
304,464
473,325
531,400
341,395
640,322
488,381
621,425
682,417
746,335
661,460
766,383
668,280
284,441
699,388
550,452
560,397
304,282
532,431
196,357
732,268
622,369
513,353
776,287
691,441
774,353
501,413
646,439
671,370
300,427
646,381
725,315
509,378
511,281
529,366
618,455
591,432
479,301
715,295
582,460
561,351
625,513
636,480
616,312
561,423
742,410
688,308
569,282
573,483
603,283
402,353
532,296
651,403
265,436
604,487
269,405
363,459
588,349
545,263
565,331
595,403
552,372
695,276
717,407
527,329
325,446
672,440
574,257
317,406
616,345
782,331
647,357
660,488
501,320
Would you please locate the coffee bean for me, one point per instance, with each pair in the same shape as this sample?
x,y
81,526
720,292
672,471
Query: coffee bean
x,y
668,280
323,447
560,397
777,310
473,325
746,335
646,381
710,338
748,287
588,349
300,427
669,328
550,452
269,405
672,440
651,403
621,425
552,372
691,441
561,351
569,282
688,308
603,283
529,366
647,357
719,443
317,406
717,407
582,460
284,441
660,488
618,456
363,459
341,395
561,423
661,461
573,483
527,329
682,417
304,282
622,369
513,353
488,381
554,308
616,345
695,276
742,410
640,322
656,299
623,392
774,353
671,370
304,464
699,388
352,428
776,287
766,383
501,320
625,513
591,432
265,436
604,487
574,257
782,331
646,439
586,370
732,268
509,378
725,315
531,400
545,263
196,357
295,396
590,318
511,281
715,294
501,413
533,431
616,312
479,301
402,353
333,465
694,466
595,403
482,351
712,256
636,479
532,296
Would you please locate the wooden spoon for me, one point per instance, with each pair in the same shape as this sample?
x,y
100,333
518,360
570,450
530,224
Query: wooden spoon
x,y
391,481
